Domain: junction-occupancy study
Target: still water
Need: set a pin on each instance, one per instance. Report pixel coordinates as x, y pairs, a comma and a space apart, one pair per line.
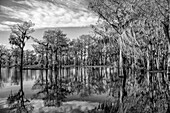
95, 84
82, 81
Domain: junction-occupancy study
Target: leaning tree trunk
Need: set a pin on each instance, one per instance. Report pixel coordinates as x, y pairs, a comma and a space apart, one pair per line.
167, 35
168, 77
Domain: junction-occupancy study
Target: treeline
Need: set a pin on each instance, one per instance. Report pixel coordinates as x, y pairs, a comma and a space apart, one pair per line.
93, 50
56, 48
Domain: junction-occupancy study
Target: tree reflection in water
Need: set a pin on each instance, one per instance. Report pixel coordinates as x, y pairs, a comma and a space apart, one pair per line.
54, 90
17, 102
80, 81
15, 76
84, 82
1, 81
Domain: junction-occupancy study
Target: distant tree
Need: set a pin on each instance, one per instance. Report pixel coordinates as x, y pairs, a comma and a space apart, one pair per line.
57, 42
40, 51
87, 41
2, 53
16, 55
8, 57
20, 33
29, 57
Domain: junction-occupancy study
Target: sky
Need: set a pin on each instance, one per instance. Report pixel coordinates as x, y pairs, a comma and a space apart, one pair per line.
71, 16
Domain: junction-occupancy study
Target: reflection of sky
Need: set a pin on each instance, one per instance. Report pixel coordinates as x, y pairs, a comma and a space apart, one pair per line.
9, 76
86, 78
92, 83
6, 90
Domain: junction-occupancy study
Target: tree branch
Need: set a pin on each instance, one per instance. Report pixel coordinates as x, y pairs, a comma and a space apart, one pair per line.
114, 26
159, 8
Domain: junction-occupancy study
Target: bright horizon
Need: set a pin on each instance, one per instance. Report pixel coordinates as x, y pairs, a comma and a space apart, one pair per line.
73, 32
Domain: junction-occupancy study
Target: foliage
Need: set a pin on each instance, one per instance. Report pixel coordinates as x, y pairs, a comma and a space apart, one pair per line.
20, 34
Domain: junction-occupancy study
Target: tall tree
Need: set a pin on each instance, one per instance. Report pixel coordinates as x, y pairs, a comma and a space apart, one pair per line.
20, 33
120, 15
57, 41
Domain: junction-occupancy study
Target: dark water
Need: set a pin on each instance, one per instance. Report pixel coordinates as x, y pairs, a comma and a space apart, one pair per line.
81, 80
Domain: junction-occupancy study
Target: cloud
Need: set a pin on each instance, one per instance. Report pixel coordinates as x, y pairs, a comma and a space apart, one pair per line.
4, 27
56, 13
9, 23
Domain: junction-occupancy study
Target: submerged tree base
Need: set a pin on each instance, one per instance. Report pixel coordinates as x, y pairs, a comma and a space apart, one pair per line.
17, 103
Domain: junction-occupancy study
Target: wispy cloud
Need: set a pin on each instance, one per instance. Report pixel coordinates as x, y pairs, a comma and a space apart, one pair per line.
49, 13
4, 27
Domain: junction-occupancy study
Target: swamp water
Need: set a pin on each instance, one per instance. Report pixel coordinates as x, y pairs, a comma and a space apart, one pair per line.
80, 88
87, 86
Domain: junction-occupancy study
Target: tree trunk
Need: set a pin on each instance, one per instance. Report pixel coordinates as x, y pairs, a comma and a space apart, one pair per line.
27, 59
157, 66
166, 32
148, 67
0, 69
51, 67
8, 61
75, 61
56, 60
41, 75
167, 35
56, 75
84, 59
46, 66
81, 57
121, 75
106, 58
168, 76
168, 63
21, 68
16, 61
101, 58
